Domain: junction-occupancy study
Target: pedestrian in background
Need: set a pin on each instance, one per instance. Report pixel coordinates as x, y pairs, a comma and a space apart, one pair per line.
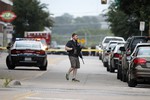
74, 52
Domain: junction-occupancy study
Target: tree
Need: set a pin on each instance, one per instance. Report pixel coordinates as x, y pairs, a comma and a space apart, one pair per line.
31, 16
137, 9
120, 23
125, 15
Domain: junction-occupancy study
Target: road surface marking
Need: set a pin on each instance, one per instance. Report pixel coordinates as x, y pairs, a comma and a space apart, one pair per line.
40, 98
24, 95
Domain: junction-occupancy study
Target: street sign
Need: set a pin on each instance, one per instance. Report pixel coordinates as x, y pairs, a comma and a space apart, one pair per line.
142, 25
9, 29
8, 16
82, 41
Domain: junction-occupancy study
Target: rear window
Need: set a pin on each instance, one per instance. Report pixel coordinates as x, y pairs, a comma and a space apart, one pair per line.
43, 41
139, 41
28, 45
112, 39
144, 51
112, 46
135, 41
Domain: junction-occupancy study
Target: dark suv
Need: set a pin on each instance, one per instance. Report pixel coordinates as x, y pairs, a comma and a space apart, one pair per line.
127, 50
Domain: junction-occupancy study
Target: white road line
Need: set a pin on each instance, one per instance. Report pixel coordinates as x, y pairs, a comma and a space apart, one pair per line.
39, 98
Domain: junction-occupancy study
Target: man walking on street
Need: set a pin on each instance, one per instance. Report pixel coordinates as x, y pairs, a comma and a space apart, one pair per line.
74, 51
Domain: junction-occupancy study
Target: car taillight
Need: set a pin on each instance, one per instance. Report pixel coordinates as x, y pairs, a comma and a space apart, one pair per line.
120, 57
140, 61
15, 51
41, 52
116, 55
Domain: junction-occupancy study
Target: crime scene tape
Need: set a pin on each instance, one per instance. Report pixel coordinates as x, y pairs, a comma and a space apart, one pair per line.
89, 50
2, 48
57, 50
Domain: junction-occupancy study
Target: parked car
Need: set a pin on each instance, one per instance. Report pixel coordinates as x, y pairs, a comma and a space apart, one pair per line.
128, 49
139, 66
27, 53
107, 52
114, 58
105, 41
109, 48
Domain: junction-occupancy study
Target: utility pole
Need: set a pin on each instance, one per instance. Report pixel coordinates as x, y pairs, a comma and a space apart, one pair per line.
149, 28
4, 33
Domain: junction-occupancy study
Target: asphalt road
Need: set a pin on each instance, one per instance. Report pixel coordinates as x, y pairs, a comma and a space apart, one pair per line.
95, 82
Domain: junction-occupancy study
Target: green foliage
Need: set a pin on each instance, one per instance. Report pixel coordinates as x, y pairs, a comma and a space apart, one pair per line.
31, 16
93, 37
138, 9
6, 82
67, 24
87, 27
125, 17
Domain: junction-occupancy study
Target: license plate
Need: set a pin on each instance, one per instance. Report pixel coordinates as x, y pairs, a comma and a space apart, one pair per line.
28, 59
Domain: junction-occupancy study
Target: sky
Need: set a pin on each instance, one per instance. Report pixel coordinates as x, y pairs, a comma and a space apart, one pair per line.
77, 8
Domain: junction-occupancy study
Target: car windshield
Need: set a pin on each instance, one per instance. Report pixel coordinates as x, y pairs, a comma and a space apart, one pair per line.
144, 51
111, 46
34, 45
112, 39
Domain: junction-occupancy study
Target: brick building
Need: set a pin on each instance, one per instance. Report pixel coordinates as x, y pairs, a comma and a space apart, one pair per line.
5, 5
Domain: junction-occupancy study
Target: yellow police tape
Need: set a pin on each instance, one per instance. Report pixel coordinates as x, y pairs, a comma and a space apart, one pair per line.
57, 50
89, 50
2, 48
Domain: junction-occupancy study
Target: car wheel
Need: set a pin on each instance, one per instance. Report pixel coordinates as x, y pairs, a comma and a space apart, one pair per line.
118, 73
44, 67
107, 68
9, 64
100, 57
124, 76
111, 69
131, 82
105, 64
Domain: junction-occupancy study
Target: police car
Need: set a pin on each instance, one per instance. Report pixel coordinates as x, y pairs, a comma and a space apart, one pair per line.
27, 53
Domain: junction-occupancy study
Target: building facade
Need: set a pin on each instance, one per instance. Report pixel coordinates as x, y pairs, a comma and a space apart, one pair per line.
5, 5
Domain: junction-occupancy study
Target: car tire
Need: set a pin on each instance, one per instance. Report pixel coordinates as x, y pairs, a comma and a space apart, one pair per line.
131, 82
9, 64
112, 70
124, 78
105, 64
100, 57
119, 73
107, 68
44, 67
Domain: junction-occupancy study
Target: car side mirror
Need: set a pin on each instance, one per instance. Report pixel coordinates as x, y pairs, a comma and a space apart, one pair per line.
8, 47
100, 46
108, 50
122, 49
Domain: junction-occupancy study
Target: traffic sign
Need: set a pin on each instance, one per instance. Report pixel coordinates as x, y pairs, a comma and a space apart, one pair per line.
142, 25
9, 29
8, 16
